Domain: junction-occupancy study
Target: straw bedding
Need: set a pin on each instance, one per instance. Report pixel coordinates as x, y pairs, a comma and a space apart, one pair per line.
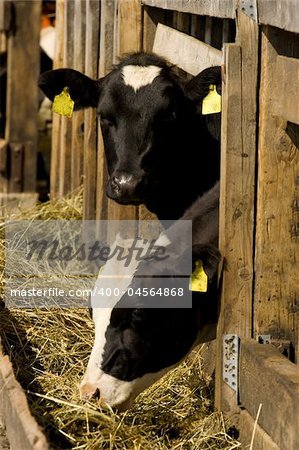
50, 350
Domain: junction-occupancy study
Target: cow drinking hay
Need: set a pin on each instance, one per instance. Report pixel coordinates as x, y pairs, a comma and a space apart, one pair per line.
160, 152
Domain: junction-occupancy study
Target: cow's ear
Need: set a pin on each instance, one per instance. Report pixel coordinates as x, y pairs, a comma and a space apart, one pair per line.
83, 90
210, 257
198, 88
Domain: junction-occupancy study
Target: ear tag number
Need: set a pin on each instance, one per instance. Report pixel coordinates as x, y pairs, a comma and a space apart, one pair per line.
199, 279
63, 104
211, 104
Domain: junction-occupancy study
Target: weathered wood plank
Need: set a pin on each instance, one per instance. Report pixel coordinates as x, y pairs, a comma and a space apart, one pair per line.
238, 154
187, 53
78, 116
56, 125
66, 123
279, 13
285, 104
21, 428
105, 66
269, 378
276, 291
90, 123
151, 18
5, 15
23, 58
216, 8
261, 440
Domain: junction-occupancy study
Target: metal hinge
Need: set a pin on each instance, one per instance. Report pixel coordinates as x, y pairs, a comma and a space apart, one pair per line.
230, 347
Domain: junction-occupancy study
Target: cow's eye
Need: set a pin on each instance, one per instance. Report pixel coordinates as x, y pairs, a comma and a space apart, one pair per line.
108, 121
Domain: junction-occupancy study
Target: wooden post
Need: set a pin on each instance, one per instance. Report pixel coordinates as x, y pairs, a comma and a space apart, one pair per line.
90, 130
22, 103
238, 157
276, 292
77, 147
56, 130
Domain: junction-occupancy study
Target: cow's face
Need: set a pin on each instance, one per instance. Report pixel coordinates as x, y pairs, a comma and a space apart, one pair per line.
146, 115
140, 111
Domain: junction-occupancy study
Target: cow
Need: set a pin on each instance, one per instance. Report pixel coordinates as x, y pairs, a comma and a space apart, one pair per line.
136, 345
160, 150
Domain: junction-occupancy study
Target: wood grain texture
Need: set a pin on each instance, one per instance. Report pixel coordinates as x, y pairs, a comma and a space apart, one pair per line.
56, 124
237, 193
269, 378
90, 118
276, 307
65, 147
21, 428
77, 146
261, 441
216, 8
151, 18
285, 104
22, 104
279, 13
186, 52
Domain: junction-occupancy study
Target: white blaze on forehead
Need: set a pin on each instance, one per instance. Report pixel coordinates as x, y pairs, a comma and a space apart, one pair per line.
138, 76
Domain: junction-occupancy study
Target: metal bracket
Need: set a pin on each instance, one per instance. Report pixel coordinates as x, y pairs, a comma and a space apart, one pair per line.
263, 338
230, 346
249, 7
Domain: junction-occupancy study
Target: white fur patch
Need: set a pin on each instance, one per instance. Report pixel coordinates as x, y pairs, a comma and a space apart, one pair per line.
138, 76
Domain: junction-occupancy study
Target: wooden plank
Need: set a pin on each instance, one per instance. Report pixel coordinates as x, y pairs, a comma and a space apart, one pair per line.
5, 15
105, 66
287, 73
66, 123
90, 131
77, 145
276, 291
198, 27
216, 8
188, 53
129, 26
21, 428
151, 18
56, 124
247, 427
3, 165
23, 58
279, 13
237, 193
269, 378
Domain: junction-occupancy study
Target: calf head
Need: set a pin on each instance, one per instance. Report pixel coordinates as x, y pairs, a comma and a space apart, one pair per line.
149, 123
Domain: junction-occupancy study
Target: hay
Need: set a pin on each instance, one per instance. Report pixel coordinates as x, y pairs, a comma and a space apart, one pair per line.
50, 350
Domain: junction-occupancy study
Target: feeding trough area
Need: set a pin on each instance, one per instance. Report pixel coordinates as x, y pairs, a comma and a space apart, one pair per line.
240, 390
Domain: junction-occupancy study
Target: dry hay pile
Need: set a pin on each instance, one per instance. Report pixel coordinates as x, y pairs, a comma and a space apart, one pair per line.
50, 350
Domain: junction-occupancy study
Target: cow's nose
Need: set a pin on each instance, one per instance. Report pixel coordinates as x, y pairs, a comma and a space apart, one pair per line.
124, 185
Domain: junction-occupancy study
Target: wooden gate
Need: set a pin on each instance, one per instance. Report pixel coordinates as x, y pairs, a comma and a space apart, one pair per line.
259, 176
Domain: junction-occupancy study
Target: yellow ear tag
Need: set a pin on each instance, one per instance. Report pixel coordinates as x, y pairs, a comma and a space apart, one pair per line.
63, 104
198, 279
211, 104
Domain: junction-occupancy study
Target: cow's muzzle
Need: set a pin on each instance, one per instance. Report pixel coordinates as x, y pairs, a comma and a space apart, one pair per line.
125, 188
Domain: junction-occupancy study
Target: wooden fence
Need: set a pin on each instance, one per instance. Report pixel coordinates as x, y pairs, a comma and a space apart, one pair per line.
18, 148
258, 44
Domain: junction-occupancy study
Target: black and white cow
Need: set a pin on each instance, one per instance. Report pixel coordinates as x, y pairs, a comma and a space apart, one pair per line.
136, 346
163, 153
159, 148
